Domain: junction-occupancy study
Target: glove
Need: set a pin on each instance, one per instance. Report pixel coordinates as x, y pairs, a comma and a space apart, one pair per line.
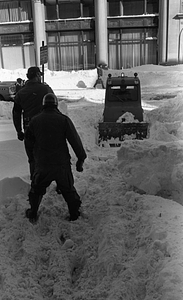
20, 135
79, 166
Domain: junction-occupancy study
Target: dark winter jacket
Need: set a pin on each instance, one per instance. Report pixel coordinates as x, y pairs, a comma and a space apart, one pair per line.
18, 87
28, 101
47, 136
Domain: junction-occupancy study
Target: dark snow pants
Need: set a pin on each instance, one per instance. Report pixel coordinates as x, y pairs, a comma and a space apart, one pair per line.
30, 157
63, 177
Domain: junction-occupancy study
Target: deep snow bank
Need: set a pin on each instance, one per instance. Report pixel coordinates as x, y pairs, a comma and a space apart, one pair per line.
6, 110
10, 187
13, 160
154, 166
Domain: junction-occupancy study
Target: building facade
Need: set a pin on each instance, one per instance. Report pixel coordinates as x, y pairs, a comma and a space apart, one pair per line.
80, 34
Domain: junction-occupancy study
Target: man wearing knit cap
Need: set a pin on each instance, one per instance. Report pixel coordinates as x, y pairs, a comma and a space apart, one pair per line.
48, 134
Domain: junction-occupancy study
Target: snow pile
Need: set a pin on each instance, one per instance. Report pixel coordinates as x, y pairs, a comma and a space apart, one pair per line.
168, 120
13, 160
166, 131
154, 166
169, 111
6, 110
127, 118
10, 187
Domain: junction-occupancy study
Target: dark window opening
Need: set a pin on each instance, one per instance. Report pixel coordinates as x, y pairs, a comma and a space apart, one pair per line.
28, 39
69, 10
114, 8
11, 40
71, 51
62, 9
88, 8
51, 11
17, 39
132, 7
152, 6
123, 93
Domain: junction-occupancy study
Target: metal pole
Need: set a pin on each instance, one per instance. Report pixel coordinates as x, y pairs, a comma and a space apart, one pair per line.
43, 66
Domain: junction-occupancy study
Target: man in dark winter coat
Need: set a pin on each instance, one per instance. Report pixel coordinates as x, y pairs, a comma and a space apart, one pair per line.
28, 103
47, 136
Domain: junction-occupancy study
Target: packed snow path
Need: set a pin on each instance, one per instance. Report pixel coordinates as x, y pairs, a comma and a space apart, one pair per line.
117, 249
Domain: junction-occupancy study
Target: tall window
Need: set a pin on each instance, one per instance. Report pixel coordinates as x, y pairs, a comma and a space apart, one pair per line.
9, 11
132, 7
132, 47
71, 51
181, 6
25, 9
65, 9
53, 52
14, 11
22, 47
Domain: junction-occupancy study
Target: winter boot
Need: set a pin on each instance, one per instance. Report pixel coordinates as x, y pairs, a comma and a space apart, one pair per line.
74, 207
31, 215
34, 200
72, 216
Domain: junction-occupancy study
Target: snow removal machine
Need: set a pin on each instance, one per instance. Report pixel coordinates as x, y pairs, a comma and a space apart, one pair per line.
123, 113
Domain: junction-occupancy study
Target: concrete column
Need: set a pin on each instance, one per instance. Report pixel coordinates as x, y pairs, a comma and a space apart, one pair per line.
121, 8
39, 27
163, 31
101, 35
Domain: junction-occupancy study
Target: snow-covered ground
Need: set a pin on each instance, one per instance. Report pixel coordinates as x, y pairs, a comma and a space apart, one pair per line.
129, 242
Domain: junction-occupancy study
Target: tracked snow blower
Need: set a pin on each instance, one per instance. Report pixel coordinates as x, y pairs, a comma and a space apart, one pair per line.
123, 113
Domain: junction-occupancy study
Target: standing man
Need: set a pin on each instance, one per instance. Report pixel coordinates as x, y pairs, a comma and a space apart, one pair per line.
19, 84
47, 136
99, 75
28, 103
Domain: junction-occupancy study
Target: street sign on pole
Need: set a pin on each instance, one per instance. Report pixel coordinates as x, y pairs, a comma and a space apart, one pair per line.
43, 55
